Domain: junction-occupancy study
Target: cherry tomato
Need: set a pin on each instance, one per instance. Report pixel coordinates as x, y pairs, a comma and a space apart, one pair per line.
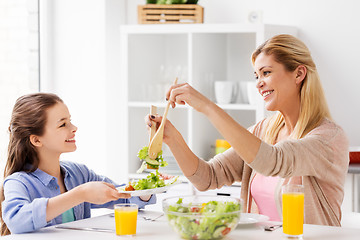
195, 209
129, 188
165, 176
225, 231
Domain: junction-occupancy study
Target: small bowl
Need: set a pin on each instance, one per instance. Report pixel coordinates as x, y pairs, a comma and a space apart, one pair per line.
202, 216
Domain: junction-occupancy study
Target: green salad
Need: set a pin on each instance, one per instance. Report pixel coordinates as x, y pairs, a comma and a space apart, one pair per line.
143, 154
153, 180
211, 220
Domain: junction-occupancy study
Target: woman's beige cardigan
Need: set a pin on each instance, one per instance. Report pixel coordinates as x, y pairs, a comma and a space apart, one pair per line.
320, 160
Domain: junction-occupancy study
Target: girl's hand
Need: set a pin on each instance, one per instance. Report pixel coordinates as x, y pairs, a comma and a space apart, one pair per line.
184, 93
145, 198
100, 192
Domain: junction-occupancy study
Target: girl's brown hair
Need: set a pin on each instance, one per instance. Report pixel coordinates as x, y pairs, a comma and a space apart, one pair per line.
28, 118
291, 52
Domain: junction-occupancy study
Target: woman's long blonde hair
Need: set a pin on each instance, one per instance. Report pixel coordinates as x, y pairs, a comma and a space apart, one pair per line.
291, 52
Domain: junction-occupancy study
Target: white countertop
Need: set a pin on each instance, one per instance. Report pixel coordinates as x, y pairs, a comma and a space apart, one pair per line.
160, 230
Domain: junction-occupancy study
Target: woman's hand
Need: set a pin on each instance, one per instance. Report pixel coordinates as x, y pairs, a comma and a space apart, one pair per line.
186, 159
100, 192
181, 94
184, 93
169, 129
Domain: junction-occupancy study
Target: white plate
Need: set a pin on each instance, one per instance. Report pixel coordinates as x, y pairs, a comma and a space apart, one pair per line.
251, 218
148, 191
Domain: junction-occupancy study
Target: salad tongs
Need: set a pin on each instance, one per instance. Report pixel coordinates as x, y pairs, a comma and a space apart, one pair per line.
156, 142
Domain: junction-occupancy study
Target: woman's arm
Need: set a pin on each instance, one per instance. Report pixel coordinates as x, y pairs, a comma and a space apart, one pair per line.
227, 166
188, 160
323, 153
244, 143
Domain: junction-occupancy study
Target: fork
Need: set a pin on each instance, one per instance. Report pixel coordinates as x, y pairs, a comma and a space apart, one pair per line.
95, 229
272, 227
152, 219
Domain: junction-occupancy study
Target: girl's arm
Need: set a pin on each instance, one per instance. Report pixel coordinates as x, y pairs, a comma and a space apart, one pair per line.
89, 175
27, 208
92, 192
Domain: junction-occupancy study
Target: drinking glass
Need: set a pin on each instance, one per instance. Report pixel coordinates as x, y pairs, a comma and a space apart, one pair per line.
293, 210
126, 218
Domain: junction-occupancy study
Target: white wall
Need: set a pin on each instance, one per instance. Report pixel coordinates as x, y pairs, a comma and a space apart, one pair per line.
19, 54
81, 54
85, 59
77, 55
330, 28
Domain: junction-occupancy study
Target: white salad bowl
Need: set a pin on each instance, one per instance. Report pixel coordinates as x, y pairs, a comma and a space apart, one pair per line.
202, 216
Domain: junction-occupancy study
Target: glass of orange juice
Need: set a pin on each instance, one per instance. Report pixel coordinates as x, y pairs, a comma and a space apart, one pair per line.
125, 218
293, 210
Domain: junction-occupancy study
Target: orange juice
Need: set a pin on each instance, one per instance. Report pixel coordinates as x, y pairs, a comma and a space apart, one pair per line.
293, 213
125, 219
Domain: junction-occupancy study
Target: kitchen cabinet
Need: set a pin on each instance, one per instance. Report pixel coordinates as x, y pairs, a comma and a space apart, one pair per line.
152, 56
351, 202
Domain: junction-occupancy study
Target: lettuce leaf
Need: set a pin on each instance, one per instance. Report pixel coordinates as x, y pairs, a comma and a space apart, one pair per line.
144, 153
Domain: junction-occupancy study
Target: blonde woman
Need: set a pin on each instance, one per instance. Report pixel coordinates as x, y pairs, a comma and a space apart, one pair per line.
299, 144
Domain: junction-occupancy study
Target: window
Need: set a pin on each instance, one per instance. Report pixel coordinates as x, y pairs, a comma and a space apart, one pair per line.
19, 59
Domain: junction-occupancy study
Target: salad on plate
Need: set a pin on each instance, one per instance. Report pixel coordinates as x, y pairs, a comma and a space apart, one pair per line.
155, 182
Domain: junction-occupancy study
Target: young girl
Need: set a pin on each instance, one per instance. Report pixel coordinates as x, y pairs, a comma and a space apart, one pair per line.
38, 189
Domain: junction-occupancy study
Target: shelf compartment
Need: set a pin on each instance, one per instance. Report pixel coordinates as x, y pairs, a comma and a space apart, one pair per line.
227, 59
206, 53
154, 62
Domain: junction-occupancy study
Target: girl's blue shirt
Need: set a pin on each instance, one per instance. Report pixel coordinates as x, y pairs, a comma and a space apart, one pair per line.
27, 194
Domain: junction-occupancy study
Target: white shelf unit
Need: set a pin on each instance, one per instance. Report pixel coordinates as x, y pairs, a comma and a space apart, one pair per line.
201, 54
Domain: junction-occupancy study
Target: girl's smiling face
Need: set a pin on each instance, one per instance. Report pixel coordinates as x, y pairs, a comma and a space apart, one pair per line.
278, 87
59, 134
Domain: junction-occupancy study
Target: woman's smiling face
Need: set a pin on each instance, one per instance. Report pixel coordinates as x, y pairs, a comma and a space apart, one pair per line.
276, 85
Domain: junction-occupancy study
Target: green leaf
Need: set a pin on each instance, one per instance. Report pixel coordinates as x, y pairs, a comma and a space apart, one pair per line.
152, 180
143, 153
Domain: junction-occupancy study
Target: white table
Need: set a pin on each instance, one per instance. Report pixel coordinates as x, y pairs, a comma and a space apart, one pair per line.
160, 230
